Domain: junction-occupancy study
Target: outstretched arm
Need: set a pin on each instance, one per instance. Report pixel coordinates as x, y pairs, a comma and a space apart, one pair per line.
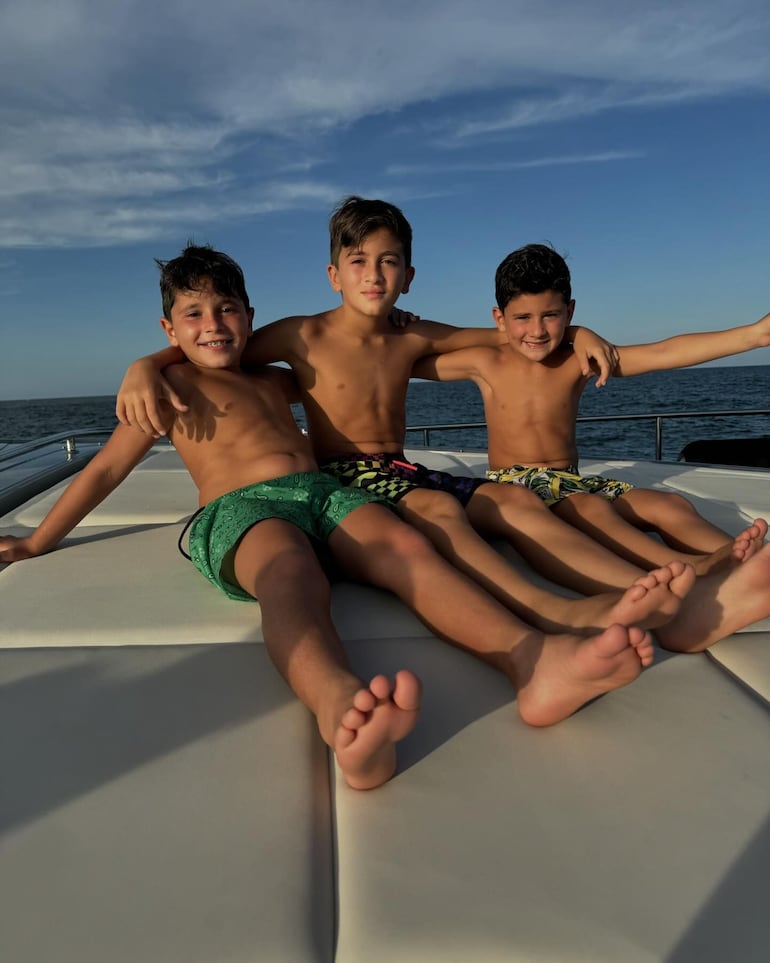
688, 349
102, 474
144, 387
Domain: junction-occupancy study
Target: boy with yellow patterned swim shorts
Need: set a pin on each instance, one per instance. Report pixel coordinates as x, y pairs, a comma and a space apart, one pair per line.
531, 386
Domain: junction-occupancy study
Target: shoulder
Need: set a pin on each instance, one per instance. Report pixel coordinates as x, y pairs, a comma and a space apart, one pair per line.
299, 325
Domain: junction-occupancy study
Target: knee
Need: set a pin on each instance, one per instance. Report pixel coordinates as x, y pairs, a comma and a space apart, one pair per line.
586, 505
671, 504
437, 508
509, 500
658, 505
403, 541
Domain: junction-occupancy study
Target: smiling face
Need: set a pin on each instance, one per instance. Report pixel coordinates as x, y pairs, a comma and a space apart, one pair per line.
535, 323
372, 275
210, 328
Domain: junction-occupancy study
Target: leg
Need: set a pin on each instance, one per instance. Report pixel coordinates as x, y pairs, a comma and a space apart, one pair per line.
554, 674
275, 562
559, 551
441, 518
601, 520
676, 521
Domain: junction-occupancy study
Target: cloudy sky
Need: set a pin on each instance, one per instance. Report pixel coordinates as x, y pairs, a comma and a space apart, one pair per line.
633, 137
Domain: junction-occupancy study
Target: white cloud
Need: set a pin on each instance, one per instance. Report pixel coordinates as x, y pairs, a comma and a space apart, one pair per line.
119, 118
489, 167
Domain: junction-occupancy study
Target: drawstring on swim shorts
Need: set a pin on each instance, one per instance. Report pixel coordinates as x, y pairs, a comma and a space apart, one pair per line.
185, 530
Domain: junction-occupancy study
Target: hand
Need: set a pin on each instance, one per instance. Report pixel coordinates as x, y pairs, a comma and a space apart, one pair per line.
139, 401
13, 549
401, 319
589, 347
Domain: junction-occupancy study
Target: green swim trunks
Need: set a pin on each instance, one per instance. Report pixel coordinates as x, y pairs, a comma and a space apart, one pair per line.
313, 501
555, 484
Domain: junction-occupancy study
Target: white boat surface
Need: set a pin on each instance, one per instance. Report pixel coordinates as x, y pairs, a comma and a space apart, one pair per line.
164, 797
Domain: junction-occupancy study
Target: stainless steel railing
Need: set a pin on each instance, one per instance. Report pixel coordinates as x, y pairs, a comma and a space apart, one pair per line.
28, 468
658, 418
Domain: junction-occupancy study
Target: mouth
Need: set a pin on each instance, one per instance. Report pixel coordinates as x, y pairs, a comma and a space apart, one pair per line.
218, 343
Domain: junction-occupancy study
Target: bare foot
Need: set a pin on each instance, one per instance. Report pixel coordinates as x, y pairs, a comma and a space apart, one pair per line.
651, 600
720, 604
740, 549
750, 540
365, 741
557, 674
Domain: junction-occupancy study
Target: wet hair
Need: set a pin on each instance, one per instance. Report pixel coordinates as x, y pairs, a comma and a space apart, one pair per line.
356, 218
531, 269
193, 268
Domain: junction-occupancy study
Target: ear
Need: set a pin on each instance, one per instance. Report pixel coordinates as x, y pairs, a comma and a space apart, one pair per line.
499, 319
408, 280
334, 277
168, 327
570, 311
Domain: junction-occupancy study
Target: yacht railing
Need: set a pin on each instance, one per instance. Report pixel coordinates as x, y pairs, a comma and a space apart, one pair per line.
658, 418
28, 468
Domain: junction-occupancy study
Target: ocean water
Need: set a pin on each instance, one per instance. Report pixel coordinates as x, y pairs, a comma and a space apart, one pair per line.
688, 390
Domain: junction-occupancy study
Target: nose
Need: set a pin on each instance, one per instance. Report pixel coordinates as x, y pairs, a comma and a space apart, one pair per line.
212, 321
374, 271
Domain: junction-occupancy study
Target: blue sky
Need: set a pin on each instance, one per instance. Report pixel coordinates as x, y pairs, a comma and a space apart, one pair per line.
633, 137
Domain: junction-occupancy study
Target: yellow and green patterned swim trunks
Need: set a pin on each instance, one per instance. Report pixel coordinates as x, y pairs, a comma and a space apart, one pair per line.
555, 484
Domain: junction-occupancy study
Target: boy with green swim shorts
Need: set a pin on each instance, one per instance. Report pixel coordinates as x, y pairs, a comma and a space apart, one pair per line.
265, 506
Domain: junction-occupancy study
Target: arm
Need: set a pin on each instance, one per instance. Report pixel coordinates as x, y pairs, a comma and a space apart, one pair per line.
286, 381
143, 387
440, 338
273, 342
102, 474
687, 349
592, 352
454, 366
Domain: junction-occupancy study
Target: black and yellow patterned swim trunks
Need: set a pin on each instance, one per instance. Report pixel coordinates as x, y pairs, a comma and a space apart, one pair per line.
555, 484
391, 476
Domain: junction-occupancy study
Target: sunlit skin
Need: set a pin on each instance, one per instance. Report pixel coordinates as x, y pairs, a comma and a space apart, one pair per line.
372, 275
535, 323
210, 328
239, 426
353, 369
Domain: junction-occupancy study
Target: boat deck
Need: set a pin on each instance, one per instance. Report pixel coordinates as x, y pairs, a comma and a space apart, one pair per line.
165, 797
